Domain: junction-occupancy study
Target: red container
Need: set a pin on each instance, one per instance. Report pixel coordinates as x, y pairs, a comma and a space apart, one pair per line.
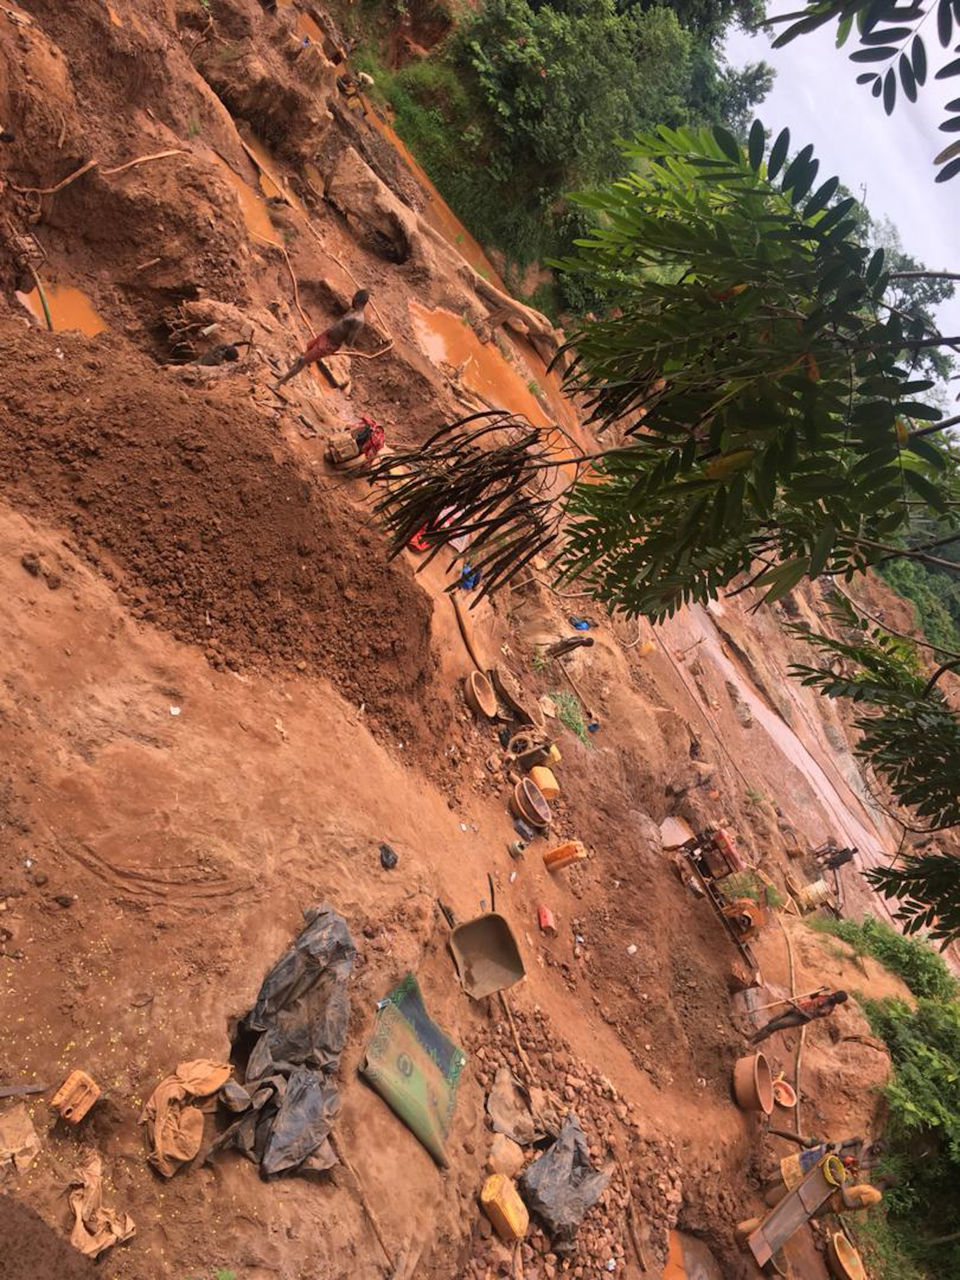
546, 921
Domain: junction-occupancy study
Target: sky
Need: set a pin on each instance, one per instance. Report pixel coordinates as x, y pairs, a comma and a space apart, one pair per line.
816, 96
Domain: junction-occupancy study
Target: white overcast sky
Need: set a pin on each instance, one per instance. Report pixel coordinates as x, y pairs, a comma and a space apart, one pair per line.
816, 96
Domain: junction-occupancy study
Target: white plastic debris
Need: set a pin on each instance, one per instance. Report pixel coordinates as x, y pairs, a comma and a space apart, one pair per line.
632, 949
174, 711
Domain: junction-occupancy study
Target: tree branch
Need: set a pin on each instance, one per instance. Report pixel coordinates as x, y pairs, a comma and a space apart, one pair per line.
947, 666
934, 428
924, 275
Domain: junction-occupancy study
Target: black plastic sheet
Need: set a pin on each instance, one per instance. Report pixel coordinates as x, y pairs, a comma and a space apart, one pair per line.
287, 1050
561, 1185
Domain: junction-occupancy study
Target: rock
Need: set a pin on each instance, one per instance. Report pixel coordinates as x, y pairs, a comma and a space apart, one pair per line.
31, 562
40, 878
339, 369
63, 900
506, 1156
373, 212
53, 580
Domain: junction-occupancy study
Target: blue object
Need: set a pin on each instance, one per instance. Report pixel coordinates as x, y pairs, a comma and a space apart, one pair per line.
593, 726
469, 578
579, 624
521, 828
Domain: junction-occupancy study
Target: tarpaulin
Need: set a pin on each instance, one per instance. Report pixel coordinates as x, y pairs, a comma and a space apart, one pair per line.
287, 1052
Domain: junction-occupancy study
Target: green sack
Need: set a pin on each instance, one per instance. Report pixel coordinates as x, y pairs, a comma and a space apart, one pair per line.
415, 1067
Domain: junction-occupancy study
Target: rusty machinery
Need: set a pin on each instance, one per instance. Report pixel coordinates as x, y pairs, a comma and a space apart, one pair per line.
709, 859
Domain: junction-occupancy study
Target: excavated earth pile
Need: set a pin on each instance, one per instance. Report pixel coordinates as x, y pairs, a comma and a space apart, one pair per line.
219, 698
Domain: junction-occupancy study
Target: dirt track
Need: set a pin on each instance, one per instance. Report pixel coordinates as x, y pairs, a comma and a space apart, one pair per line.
217, 698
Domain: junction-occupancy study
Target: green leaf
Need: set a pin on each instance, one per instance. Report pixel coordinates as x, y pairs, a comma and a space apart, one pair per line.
778, 154
918, 59
889, 91
756, 145
836, 214
727, 142
915, 409
873, 55
944, 22
822, 548
784, 578
907, 78
872, 274
929, 452
949, 171
797, 167
949, 71
926, 490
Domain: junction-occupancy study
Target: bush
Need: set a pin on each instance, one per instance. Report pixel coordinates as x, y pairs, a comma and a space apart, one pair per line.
924, 1130
912, 959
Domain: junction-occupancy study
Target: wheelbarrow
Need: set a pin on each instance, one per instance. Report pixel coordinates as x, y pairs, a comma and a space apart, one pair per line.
485, 953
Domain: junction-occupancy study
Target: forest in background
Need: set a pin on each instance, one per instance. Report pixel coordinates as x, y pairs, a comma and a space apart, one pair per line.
521, 102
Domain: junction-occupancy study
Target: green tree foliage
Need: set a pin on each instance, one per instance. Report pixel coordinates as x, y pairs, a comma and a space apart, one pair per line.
708, 19
526, 101
755, 339
763, 385
722, 94
926, 888
924, 1131
911, 959
892, 56
909, 734
935, 595
557, 84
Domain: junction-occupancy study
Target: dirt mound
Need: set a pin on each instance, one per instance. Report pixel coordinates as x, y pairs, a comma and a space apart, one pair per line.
191, 506
30, 1249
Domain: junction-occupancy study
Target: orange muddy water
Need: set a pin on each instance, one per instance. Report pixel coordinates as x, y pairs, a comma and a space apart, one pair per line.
445, 338
252, 206
70, 308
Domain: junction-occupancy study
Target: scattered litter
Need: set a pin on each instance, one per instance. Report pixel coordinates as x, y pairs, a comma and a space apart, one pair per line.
175, 1129
544, 778
19, 1144
579, 624
547, 923
593, 726
388, 857
564, 855
95, 1229
415, 1067
21, 1090
75, 1096
469, 578
503, 1206
291, 1041
513, 876
561, 1185
463, 826
547, 705
517, 848
174, 711
632, 949
610, 1264
524, 1115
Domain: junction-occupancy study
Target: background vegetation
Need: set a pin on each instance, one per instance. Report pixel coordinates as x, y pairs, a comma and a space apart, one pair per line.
524, 101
